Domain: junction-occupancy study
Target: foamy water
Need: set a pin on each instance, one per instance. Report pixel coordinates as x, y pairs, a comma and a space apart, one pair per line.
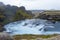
33, 26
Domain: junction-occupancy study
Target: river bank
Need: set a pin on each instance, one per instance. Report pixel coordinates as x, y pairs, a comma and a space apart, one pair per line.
36, 37
6, 36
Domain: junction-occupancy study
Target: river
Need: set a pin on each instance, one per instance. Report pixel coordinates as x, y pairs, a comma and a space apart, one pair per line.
33, 26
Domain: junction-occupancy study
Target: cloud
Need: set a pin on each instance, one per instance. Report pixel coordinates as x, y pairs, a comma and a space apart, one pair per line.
29, 0
35, 4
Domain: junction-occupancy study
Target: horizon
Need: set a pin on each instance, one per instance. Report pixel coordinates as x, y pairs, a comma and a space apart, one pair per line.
34, 4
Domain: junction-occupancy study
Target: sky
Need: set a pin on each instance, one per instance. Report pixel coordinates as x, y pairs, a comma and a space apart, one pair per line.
35, 4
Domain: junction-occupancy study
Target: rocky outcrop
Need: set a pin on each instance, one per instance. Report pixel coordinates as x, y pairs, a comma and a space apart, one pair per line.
5, 36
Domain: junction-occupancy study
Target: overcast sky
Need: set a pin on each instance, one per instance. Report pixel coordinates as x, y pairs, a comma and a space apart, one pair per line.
35, 4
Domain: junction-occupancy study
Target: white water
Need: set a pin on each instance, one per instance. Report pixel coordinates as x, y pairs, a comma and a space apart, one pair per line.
32, 26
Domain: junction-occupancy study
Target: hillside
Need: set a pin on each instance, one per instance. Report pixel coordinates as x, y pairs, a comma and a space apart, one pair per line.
10, 13
49, 15
52, 12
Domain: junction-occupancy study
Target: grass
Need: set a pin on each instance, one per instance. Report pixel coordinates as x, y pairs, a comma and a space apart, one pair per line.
30, 36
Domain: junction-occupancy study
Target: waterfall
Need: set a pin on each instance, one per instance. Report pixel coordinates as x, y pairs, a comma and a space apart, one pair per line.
29, 26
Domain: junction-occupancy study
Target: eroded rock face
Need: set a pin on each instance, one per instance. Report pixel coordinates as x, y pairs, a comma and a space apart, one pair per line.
5, 36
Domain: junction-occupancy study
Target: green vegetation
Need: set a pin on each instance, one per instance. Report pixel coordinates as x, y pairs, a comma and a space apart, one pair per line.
10, 13
26, 36
20, 15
